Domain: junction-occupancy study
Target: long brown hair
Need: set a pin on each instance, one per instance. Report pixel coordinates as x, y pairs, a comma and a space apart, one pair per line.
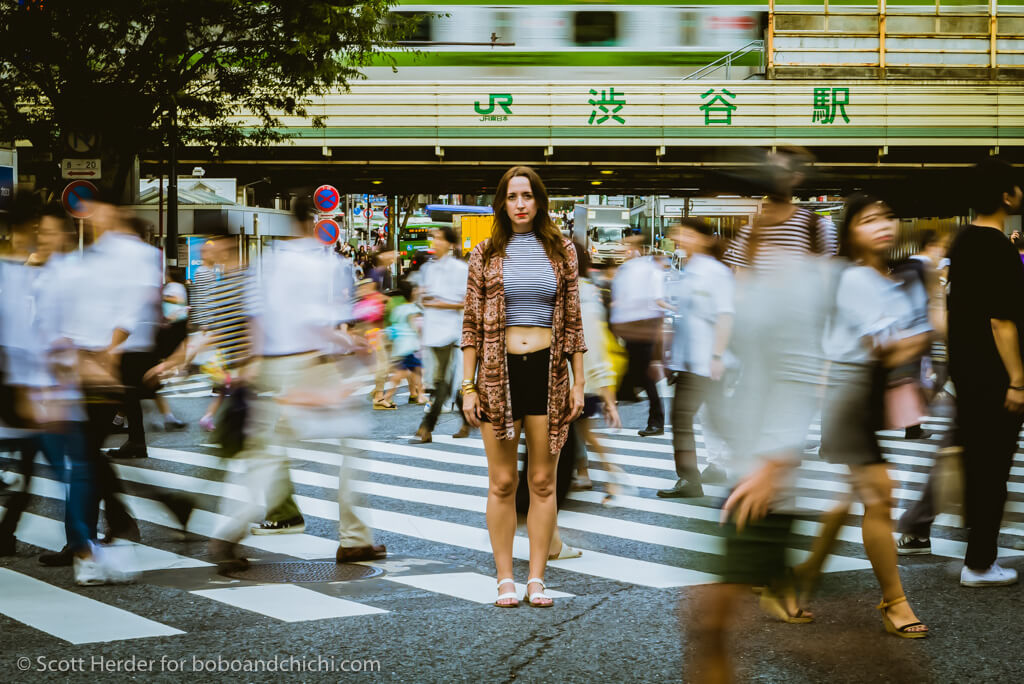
501, 231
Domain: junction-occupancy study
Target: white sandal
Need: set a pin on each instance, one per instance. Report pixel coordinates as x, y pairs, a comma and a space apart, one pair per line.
507, 595
565, 553
531, 599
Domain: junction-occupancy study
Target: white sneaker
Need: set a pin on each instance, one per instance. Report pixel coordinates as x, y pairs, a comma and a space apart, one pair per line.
995, 576
100, 569
88, 572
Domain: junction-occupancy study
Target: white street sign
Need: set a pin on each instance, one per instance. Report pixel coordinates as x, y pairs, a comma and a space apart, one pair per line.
80, 168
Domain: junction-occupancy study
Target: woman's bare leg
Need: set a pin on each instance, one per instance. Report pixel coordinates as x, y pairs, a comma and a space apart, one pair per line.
502, 476
540, 521
873, 485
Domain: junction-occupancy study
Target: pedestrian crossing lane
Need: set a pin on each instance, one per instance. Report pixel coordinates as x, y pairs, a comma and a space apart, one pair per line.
394, 471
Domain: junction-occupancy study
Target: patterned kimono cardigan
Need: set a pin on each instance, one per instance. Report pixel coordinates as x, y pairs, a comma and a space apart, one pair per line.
483, 327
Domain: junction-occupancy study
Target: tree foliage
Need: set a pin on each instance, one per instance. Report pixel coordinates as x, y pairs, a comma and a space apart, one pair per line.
116, 67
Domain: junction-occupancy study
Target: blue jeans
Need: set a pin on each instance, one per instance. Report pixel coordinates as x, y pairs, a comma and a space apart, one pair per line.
54, 445
79, 524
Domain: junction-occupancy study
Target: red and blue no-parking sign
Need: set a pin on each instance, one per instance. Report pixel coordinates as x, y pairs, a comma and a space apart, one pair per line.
327, 231
326, 199
75, 196
386, 212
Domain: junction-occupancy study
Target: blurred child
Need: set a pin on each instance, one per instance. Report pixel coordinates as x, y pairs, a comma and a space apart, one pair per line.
404, 332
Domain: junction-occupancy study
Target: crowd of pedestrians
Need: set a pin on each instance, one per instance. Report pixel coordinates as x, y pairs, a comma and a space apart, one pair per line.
754, 338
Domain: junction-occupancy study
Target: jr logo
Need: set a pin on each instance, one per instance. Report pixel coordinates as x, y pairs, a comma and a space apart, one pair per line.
502, 100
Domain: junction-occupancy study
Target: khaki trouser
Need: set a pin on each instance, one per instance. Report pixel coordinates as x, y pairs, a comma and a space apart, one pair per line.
266, 462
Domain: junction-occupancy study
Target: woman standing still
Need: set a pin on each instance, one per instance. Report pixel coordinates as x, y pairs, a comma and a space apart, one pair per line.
522, 324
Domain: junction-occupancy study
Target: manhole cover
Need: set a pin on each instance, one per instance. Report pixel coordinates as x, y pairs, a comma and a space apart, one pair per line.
306, 571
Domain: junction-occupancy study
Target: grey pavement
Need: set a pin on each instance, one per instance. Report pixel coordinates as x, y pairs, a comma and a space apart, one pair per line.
424, 616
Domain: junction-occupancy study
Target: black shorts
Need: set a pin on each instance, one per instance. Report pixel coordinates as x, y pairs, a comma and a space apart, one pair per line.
528, 383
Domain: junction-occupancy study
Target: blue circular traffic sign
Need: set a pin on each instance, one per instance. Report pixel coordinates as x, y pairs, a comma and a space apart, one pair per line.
357, 211
76, 195
327, 231
386, 212
326, 199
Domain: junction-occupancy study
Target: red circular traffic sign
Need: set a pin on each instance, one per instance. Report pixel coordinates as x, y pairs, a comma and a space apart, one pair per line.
326, 199
76, 196
327, 231
369, 214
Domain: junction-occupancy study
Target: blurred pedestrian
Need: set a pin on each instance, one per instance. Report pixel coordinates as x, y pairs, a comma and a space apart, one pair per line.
522, 323
138, 352
637, 316
297, 319
443, 287
106, 297
880, 322
599, 387
702, 303
404, 332
778, 324
780, 228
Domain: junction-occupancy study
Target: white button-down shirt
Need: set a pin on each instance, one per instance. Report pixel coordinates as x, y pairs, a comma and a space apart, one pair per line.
445, 280
638, 285
302, 295
115, 285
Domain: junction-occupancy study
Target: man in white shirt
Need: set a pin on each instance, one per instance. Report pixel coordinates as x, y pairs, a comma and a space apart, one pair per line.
103, 302
144, 270
298, 309
444, 295
637, 316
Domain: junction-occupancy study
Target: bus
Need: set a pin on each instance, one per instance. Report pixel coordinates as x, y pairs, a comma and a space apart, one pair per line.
416, 236
445, 212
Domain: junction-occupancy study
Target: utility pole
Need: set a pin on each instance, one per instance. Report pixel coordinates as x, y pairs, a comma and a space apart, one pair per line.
171, 244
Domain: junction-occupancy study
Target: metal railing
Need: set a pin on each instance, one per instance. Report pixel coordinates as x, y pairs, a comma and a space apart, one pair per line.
945, 37
726, 61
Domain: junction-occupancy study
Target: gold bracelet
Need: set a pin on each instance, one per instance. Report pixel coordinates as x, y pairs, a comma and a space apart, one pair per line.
468, 390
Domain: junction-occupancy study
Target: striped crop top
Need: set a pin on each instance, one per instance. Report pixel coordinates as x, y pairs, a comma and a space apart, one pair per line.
530, 284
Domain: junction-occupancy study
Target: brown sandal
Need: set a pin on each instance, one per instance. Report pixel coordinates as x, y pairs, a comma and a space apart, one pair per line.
900, 631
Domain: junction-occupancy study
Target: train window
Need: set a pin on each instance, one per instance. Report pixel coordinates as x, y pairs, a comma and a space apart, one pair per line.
595, 28
422, 29
690, 27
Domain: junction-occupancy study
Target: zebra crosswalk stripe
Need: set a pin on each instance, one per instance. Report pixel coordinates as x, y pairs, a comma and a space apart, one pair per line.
69, 616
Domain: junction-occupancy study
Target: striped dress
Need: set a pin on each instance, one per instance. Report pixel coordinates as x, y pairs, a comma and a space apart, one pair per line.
766, 248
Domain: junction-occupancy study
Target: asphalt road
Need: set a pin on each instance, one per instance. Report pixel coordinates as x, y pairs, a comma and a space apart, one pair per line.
426, 616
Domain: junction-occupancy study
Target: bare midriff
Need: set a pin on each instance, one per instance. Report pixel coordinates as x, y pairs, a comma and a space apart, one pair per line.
524, 339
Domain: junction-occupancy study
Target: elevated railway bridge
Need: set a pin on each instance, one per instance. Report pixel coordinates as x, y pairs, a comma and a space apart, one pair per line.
891, 93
